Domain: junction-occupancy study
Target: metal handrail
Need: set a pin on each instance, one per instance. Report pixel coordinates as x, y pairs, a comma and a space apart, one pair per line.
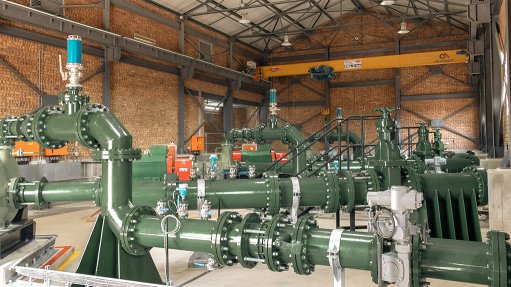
307, 140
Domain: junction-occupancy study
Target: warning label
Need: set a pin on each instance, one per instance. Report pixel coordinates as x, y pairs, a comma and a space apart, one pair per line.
352, 64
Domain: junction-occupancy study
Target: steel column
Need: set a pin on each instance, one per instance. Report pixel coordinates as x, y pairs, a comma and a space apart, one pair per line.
228, 108
181, 95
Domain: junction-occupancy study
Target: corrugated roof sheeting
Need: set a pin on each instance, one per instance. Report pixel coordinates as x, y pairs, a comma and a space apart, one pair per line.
270, 20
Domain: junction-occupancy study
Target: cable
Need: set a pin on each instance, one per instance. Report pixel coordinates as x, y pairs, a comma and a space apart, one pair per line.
164, 225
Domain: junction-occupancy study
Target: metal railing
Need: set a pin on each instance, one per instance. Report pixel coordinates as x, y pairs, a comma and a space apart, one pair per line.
319, 136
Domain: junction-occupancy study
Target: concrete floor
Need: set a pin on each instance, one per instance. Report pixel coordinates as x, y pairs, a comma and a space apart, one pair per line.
72, 224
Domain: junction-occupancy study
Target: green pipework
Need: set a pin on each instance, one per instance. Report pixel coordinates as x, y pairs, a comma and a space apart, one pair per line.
438, 146
458, 161
350, 137
277, 242
93, 126
423, 147
387, 158
41, 192
152, 165
485, 263
455, 162
302, 246
270, 192
287, 134
72, 100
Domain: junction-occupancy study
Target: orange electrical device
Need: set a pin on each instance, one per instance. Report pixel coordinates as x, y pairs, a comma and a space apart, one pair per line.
28, 149
171, 156
197, 143
182, 168
236, 155
249, 147
279, 155
55, 152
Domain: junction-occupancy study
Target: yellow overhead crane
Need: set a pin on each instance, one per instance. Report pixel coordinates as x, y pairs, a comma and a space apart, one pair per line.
369, 63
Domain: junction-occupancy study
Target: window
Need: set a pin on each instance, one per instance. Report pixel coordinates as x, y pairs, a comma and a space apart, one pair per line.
205, 51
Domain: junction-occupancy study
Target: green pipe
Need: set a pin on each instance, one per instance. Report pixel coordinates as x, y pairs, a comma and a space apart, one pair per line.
60, 191
281, 245
95, 128
246, 239
287, 134
467, 261
350, 137
61, 127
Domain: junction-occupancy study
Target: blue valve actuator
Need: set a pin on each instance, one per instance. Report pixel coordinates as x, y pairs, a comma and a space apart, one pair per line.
74, 49
273, 96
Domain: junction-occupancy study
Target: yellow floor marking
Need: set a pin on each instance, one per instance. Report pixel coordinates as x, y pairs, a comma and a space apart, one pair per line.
70, 259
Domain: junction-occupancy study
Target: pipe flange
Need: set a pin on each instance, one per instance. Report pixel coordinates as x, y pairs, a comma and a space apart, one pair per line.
4, 131
243, 248
273, 193
35, 127
220, 238
349, 186
498, 254
121, 154
481, 178
38, 195
416, 163
300, 237
128, 241
332, 192
14, 189
373, 181
285, 139
411, 178
271, 251
82, 117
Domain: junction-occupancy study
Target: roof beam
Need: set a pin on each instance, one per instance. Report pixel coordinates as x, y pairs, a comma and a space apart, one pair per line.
315, 3
32, 16
271, 18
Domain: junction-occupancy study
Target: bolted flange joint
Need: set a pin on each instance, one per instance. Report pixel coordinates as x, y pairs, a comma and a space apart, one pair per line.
129, 224
481, 177
332, 192
82, 131
17, 187
220, 239
300, 237
273, 192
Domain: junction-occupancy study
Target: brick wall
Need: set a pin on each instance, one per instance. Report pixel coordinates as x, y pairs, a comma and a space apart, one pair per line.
145, 100
362, 100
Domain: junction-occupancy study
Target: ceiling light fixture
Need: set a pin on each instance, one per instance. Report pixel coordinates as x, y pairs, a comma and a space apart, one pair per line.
244, 14
244, 19
404, 29
286, 42
388, 2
